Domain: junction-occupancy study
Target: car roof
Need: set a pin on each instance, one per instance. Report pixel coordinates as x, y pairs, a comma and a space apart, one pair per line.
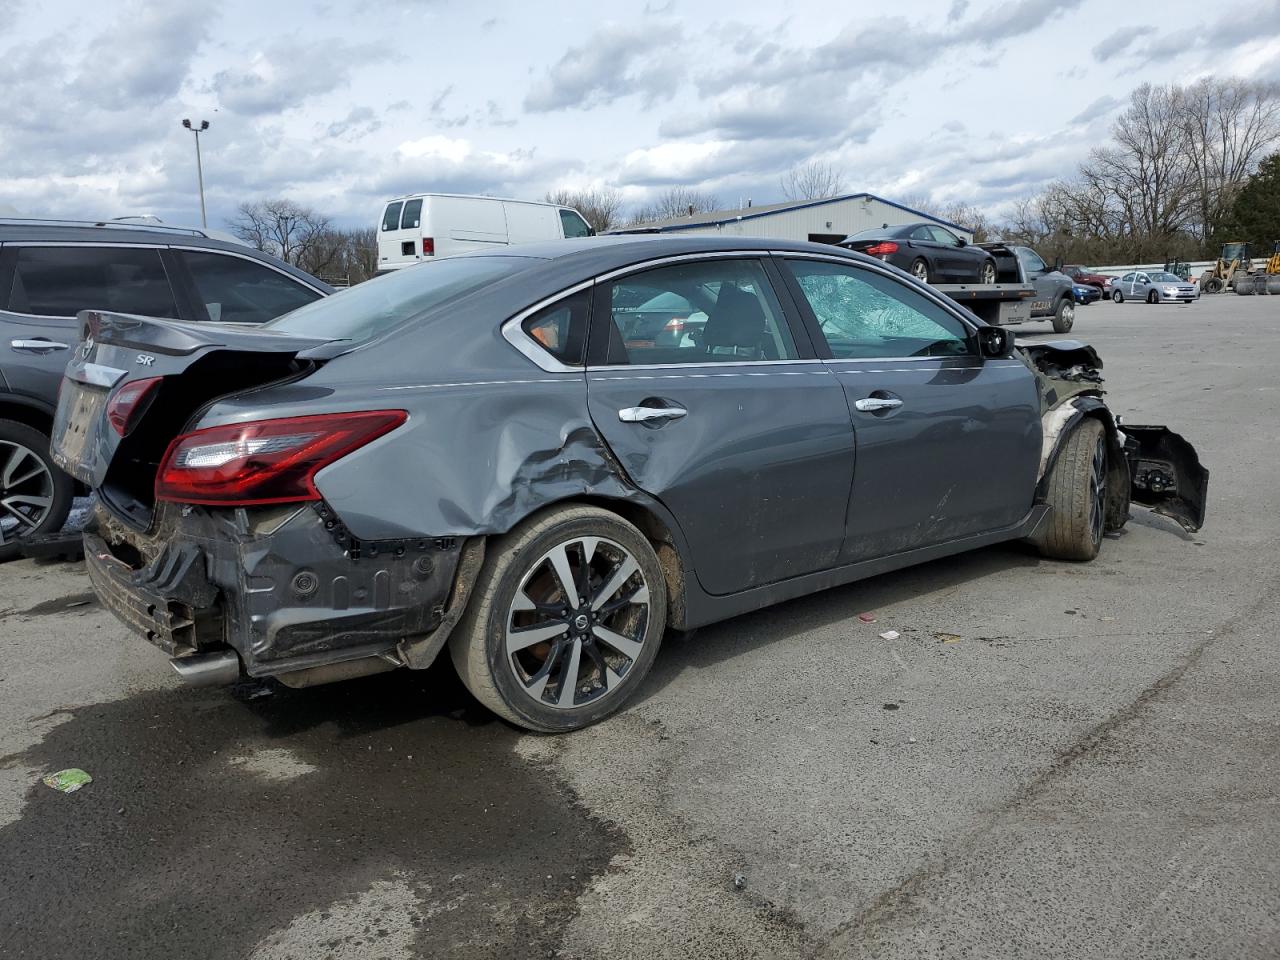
38, 231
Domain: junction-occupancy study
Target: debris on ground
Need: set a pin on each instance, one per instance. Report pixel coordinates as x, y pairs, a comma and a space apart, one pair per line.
739, 880
947, 637
891, 706
890, 635
68, 781
867, 617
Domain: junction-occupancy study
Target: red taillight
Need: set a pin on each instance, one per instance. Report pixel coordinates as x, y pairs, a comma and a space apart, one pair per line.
676, 324
428, 246
265, 461
129, 403
882, 249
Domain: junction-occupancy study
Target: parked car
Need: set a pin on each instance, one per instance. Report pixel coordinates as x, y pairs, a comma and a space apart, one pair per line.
1085, 275
426, 225
51, 270
927, 251
416, 462
1086, 293
1154, 286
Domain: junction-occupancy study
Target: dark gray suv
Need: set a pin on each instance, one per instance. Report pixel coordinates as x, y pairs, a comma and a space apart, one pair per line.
49, 271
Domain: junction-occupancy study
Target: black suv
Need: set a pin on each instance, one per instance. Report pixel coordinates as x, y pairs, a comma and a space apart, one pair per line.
49, 271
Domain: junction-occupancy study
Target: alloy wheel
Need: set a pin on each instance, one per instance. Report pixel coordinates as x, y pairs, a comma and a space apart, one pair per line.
26, 491
1098, 490
920, 270
988, 272
577, 623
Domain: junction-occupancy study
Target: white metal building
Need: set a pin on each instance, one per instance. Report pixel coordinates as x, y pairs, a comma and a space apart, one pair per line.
822, 221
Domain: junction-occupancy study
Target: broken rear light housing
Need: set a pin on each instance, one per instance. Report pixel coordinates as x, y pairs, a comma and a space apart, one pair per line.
126, 406
265, 461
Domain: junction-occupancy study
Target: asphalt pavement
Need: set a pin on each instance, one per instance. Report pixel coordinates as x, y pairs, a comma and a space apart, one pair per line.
1052, 760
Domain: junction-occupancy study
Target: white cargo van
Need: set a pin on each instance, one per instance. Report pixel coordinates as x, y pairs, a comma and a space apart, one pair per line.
426, 225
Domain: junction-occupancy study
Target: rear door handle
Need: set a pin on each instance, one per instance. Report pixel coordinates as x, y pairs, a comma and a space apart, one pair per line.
647, 414
38, 346
872, 404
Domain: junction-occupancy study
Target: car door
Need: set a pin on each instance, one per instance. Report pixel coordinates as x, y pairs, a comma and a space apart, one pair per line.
736, 428
923, 241
947, 443
44, 285
961, 264
1141, 286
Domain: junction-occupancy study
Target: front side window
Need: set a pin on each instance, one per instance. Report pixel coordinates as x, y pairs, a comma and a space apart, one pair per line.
945, 236
412, 215
863, 314
573, 224
235, 290
1127, 278
699, 312
62, 281
561, 329
391, 219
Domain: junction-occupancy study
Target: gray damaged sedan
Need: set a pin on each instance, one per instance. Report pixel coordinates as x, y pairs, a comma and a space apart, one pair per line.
490, 453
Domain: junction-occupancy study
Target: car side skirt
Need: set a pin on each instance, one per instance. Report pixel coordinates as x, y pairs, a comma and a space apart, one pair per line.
702, 608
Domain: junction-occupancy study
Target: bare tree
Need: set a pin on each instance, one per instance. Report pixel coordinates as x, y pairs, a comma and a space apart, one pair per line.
1228, 126
294, 233
962, 214
600, 208
675, 202
814, 180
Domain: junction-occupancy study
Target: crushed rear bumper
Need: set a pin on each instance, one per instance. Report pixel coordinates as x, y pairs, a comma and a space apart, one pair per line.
287, 589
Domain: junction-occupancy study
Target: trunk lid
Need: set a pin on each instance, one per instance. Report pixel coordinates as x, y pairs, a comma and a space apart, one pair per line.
196, 363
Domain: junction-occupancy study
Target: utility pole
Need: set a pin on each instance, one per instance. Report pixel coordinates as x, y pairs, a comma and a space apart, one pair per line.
204, 125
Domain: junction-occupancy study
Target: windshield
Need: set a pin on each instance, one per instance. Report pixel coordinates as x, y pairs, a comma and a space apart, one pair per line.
1165, 278
376, 306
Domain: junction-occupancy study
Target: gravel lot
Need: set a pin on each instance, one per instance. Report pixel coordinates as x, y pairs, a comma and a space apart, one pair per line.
1092, 770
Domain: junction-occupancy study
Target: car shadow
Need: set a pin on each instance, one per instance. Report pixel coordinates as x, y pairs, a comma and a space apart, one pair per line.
838, 605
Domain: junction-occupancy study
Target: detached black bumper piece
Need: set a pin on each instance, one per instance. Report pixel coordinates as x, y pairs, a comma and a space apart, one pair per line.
1167, 474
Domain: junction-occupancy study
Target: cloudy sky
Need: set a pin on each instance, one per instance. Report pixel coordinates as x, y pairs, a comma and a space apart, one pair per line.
341, 105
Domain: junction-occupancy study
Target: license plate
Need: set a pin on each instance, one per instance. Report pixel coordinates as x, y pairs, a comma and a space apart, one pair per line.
75, 428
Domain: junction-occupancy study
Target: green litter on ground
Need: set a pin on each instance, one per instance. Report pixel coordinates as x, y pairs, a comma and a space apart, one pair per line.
68, 781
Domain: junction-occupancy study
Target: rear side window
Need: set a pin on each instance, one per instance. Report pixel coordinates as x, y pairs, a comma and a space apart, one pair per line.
711, 311
561, 329
866, 315
236, 290
377, 305
573, 224
412, 215
62, 281
391, 219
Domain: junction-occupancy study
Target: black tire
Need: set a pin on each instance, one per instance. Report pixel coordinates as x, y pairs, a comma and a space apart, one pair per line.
1077, 496
921, 270
1064, 317
987, 273
1153, 297
17, 440
1213, 285
1117, 296
526, 686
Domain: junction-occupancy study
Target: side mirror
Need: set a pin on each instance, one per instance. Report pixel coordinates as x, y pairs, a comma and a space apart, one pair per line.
1057, 264
961, 241
995, 343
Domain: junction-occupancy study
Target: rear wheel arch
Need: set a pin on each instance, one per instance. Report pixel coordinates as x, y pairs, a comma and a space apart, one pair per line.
33, 415
659, 528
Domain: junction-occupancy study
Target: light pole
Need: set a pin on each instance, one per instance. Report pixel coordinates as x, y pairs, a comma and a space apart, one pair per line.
204, 125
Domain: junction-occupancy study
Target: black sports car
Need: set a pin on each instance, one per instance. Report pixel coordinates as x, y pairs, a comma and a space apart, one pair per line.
931, 253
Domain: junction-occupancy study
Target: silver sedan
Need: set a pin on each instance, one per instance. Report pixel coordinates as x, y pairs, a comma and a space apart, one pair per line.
1153, 286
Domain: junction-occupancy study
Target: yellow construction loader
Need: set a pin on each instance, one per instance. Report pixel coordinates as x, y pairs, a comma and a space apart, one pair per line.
1233, 263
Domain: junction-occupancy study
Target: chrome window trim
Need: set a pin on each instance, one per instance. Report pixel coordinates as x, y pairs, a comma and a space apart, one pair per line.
244, 256
680, 258
702, 363
513, 331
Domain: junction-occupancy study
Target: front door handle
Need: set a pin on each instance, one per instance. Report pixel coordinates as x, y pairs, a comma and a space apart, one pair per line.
872, 404
648, 414
38, 346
